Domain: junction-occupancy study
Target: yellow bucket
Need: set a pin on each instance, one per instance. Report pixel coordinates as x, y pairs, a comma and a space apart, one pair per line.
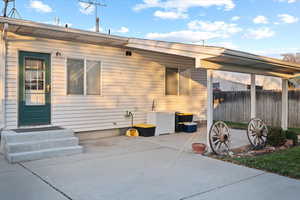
132, 132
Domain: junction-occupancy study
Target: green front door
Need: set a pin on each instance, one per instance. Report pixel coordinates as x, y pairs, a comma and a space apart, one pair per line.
34, 89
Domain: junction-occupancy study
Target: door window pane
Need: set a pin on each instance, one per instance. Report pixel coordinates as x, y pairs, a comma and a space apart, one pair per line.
93, 75
34, 82
184, 81
171, 81
75, 74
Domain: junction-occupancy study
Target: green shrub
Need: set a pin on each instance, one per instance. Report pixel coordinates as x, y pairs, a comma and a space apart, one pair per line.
276, 137
290, 135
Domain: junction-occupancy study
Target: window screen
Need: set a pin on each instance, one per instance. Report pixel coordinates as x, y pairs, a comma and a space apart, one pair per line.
93, 75
171, 81
184, 82
75, 76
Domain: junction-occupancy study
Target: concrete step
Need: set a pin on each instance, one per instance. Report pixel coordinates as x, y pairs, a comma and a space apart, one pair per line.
13, 137
41, 145
46, 153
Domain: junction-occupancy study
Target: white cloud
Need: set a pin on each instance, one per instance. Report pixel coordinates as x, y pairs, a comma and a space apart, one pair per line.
228, 45
260, 33
39, 6
86, 8
184, 5
224, 29
260, 20
177, 9
235, 18
288, 1
289, 19
123, 29
197, 31
170, 15
187, 36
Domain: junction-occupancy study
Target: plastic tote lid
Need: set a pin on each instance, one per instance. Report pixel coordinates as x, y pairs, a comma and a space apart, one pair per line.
190, 123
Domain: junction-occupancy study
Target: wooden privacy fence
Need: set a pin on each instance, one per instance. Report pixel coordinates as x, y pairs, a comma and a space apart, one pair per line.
235, 106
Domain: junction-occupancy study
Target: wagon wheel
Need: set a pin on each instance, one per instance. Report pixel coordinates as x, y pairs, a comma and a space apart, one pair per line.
257, 133
219, 138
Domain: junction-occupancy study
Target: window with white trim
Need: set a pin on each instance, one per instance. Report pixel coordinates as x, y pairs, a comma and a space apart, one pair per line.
83, 77
177, 81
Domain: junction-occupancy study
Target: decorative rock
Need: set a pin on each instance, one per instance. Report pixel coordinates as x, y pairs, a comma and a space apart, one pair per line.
282, 147
270, 149
289, 143
263, 151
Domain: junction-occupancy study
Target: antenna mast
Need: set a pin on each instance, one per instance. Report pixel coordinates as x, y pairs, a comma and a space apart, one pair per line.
96, 4
13, 13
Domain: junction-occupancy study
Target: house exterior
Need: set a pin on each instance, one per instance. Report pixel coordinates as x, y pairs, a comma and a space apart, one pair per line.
87, 87
86, 81
221, 84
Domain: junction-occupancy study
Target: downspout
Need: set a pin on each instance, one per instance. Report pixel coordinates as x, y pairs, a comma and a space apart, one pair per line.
3, 72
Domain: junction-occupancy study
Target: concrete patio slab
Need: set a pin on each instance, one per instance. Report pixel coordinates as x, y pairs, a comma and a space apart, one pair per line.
6, 167
142, 168
265, 186
20, 184
153, 174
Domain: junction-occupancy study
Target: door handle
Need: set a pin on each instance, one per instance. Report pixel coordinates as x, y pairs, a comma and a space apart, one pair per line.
48, 88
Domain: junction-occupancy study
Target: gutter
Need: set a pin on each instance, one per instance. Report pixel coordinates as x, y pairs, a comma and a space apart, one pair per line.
3, 72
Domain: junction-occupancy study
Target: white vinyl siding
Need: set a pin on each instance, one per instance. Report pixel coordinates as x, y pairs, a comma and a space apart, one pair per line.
127, 83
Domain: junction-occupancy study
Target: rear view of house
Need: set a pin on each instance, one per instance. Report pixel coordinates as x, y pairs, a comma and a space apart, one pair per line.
60, 81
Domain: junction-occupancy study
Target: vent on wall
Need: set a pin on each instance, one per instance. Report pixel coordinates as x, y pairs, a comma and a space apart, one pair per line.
128, 53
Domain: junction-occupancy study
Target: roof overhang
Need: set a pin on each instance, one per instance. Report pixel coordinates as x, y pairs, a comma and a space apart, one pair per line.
29, 28
217, 58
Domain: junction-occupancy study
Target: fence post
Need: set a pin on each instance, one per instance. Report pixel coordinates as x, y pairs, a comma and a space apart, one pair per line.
253, 96
285, 105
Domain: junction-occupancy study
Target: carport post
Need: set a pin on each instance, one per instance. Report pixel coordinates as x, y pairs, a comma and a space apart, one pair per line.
285, 105
210, 103
253, 96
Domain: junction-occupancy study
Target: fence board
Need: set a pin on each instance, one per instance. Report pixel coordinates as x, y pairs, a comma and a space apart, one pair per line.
235, 106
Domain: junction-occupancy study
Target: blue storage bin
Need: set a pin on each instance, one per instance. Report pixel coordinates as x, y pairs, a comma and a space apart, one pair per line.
190, 127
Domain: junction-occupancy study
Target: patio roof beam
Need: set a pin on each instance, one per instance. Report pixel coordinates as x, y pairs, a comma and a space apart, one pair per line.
240, 68
210, 104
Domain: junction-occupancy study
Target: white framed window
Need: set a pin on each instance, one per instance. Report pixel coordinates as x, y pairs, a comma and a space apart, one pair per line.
177, 81
83, 77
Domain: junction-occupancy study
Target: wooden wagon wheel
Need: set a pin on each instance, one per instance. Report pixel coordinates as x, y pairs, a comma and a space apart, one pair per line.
219, 138
257, 133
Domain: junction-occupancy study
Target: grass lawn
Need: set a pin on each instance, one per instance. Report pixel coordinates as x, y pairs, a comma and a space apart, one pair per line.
285, 162
243, 126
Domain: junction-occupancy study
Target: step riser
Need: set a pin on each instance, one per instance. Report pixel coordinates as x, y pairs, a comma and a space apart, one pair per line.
37, 136
28, 156
36, 146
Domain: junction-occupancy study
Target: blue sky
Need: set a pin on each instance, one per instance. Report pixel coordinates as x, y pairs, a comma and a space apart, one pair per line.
268, 27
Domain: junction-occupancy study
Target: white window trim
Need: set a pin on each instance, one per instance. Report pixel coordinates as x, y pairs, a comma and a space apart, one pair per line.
178, 85
84, 76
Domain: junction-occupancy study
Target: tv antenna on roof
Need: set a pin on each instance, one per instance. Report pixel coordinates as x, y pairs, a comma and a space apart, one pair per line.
95, 4
13, 13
